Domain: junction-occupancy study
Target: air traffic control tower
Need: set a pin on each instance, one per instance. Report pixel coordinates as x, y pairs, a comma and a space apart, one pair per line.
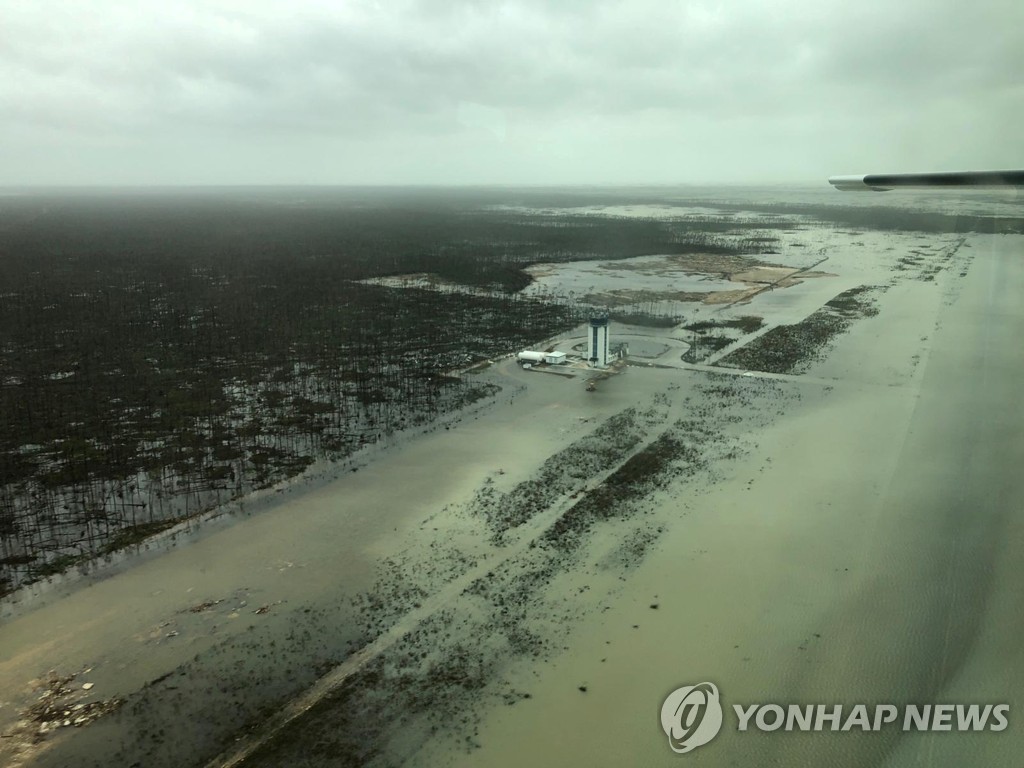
597, 342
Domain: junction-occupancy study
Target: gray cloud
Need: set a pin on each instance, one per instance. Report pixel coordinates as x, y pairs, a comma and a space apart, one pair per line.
448, 92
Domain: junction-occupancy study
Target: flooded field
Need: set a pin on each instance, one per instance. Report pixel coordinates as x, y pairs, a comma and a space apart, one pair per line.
644, 274
682, 211
792, 515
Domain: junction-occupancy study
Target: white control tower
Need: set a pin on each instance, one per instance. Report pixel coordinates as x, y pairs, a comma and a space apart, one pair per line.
597, 342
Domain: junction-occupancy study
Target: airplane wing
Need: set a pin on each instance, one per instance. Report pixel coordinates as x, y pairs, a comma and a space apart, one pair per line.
883, 182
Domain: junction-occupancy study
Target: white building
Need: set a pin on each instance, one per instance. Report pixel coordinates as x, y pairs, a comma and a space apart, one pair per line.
597, 342
555, 358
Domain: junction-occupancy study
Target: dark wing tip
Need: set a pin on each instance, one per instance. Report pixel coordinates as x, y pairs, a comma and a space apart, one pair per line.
886, 181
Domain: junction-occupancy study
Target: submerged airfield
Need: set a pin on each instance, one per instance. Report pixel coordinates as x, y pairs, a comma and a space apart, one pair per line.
829, 514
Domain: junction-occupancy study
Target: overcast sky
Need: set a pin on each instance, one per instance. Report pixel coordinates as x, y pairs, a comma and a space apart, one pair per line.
448, 92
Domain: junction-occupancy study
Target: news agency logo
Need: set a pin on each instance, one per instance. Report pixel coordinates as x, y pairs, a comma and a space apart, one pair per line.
692, 715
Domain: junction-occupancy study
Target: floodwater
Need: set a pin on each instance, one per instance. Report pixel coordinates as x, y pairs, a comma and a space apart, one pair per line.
868, 550
305, 560
655, 274
853, 535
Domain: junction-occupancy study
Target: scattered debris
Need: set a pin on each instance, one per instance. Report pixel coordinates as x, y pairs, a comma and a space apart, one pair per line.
59, 706
204, 606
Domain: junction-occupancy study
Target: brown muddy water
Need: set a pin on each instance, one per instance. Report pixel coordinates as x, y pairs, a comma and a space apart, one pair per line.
527, 586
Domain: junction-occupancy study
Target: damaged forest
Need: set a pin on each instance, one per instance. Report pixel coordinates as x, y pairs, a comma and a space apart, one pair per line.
165, 352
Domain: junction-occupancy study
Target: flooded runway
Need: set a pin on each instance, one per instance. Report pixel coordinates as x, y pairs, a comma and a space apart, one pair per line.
850, 534
873, 556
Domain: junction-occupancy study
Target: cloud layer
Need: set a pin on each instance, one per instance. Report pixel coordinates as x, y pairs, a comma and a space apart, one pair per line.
520, 92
